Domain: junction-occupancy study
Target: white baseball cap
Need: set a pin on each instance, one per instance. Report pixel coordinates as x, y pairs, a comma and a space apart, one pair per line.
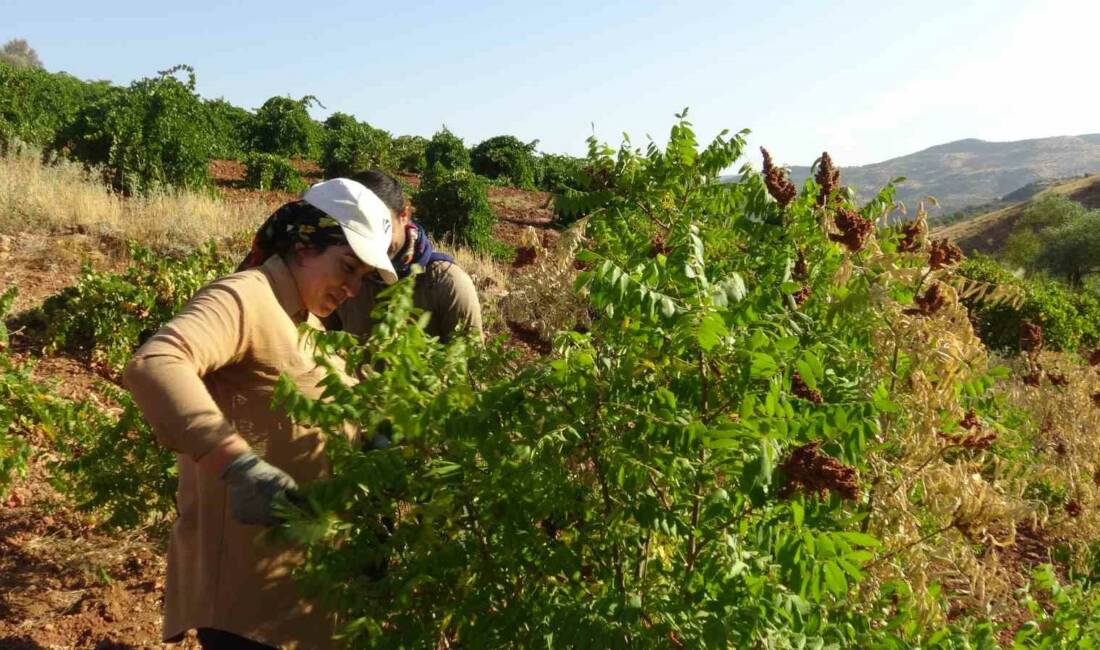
365, 219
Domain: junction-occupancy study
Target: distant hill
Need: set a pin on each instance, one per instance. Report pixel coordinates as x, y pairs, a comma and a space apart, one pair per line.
973, 172
987, 232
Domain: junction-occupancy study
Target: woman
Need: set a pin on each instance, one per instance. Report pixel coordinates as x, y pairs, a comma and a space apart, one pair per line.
205, 383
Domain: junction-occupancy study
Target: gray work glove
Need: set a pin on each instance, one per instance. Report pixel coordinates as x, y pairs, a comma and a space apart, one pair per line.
254, 485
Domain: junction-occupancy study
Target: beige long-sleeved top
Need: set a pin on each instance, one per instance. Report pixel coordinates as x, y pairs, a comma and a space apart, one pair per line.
208, 373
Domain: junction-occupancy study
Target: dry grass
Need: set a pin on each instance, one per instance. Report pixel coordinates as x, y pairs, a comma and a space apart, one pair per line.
64, 197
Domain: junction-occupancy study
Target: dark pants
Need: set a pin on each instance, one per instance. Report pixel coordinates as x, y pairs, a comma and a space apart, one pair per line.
218, 640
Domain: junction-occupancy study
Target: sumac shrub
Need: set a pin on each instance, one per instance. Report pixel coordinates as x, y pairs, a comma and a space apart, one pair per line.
265, 171
1070, 318
446, 150
231, 128
283, 127
554, 172
627, 489
152, 135
105, 316
408, 153
455, 204
505, 158
110, 463
351, 146
35, 105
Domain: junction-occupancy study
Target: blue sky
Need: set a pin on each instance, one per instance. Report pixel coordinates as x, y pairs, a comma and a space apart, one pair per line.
867, 80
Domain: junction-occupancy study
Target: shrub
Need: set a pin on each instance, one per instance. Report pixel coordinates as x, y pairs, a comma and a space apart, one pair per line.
231, 128
14, 383
455, 204
554, 173
1070, 318
710, 465
110, 463
152, 135
505, 158
283, 127
446, 150
265, 171
104, 317
36, 106
351, 146
409, 153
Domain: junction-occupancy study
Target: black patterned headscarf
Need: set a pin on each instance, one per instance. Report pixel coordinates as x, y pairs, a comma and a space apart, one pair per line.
296, 222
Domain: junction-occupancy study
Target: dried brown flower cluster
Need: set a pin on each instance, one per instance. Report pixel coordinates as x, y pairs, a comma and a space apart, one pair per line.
1094, 358
911, 235
1096, 400
977, 437
525, 256
658, 247
828, 179
800, 389
1034, 378
1074, 509
930, 302
815, 473
1031, 336
853, 229
581, 265
1058, 379
802, 270
970, 420
944, 254
802, 295
775, 178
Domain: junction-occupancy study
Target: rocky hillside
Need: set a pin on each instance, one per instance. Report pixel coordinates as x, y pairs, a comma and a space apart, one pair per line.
972, 172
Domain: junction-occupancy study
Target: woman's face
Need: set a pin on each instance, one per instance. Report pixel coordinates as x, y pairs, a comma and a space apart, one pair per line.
327, 278
398, 240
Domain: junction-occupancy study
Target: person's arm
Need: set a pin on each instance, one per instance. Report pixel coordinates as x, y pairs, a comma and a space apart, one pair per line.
165, 378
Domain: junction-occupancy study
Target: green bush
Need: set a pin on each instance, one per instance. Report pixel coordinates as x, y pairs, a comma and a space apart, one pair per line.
1070, 318
149, 136
455, 204
446, 150
505, 158
409, 153
105, 316
231, 129
265, 171
36, 106
14, 383
351, 146
627, 490
283, 127
556, 172
106, 462
110, 464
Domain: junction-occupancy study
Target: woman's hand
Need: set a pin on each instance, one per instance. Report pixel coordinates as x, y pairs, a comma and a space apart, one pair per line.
254, 485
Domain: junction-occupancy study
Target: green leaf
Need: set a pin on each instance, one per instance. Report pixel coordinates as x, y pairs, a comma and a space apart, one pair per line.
711, 331
730, 290
763, 365
834, 579
798, 513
